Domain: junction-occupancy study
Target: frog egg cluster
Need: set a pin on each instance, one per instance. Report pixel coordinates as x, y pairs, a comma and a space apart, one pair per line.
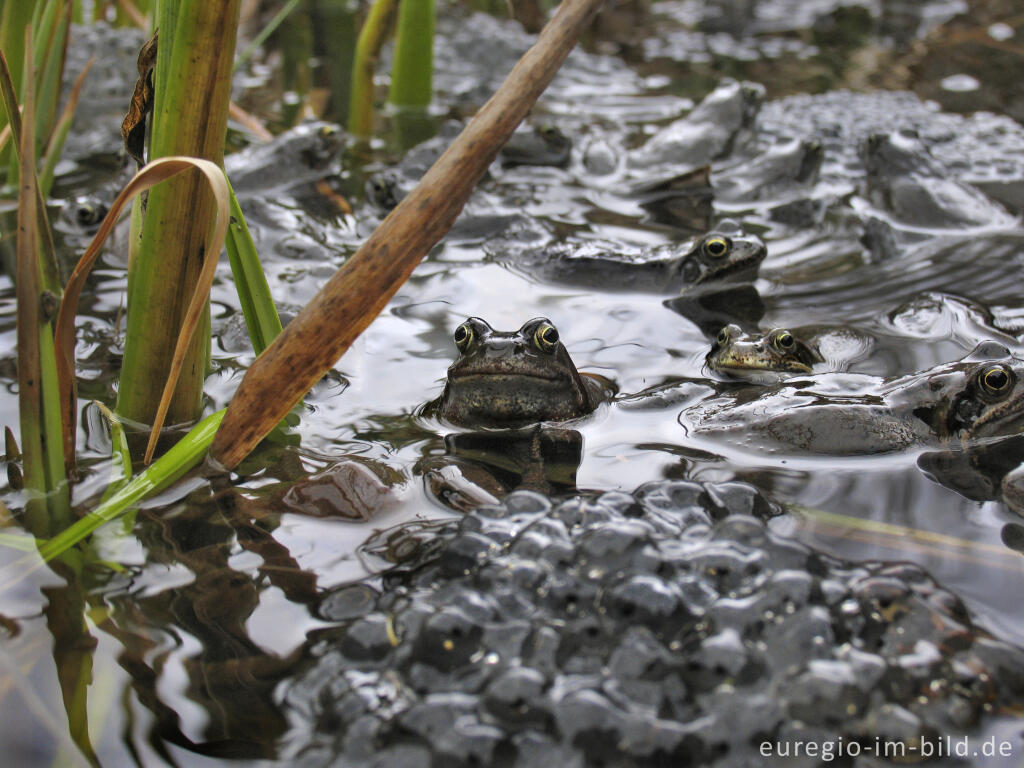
669, 626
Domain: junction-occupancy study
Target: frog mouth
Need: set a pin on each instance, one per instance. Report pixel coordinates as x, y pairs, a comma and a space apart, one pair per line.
994, 421
471, 377
736, 269
739, 364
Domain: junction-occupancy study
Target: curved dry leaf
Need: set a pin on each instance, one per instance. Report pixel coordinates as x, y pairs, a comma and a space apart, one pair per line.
149, 176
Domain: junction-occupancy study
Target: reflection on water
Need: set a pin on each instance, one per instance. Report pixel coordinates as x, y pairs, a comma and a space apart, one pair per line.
232, 589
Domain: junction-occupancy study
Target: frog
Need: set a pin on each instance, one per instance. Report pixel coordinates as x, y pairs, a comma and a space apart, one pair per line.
761, 357
783, 171
515, 379
726, 254
978, 397
709, 132
302, 155
541, 145
913, 188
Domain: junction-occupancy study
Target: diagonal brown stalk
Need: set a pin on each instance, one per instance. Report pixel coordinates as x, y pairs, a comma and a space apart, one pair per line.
354, 296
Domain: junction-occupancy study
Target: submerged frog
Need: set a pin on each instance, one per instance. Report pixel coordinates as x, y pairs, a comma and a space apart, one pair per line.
914, 189
725, 254
783, 171
512, 379
709, 132
301, 155
980, 396
761, 357
544, 145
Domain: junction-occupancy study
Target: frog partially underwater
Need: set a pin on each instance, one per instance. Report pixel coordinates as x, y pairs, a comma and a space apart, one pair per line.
761, 357
508, 387
725, 254
912, 188
514, 379
709, 132
980, 396
776, 354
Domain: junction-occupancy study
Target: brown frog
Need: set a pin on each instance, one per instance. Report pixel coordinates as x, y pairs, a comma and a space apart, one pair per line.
512, 379
761, 357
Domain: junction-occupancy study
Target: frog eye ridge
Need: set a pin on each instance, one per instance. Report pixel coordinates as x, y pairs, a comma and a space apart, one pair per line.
716, 246
996, 379
546, 337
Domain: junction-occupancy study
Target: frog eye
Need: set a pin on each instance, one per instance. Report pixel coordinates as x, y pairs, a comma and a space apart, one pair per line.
545, 337
723, 337
463, 336
716, 246
783, 341
996, 379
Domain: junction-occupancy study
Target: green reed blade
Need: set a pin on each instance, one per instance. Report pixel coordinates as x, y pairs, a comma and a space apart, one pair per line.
119, 451
60, 132
266, 32
14, 17
50, 71
51, 279
258, 307
413, 70
371, 39
185, 454
194, 56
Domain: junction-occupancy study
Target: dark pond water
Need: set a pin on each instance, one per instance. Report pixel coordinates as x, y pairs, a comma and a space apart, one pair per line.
248, 618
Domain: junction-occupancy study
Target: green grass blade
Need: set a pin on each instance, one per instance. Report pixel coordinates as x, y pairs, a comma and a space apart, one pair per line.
19, 541
28, 291
266, 32
50, 71
119, 452
185, 454
51, 280
58, 500
60, 132
253, 292
14, 17
371, 39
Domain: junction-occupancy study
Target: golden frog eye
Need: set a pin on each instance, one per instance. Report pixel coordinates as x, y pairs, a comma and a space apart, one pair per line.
716, 246
723, 337
996, 379
463, 337
545, 337
783, 341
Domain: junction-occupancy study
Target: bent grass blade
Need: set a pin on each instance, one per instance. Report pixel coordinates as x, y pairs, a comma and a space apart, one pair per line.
148, 177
